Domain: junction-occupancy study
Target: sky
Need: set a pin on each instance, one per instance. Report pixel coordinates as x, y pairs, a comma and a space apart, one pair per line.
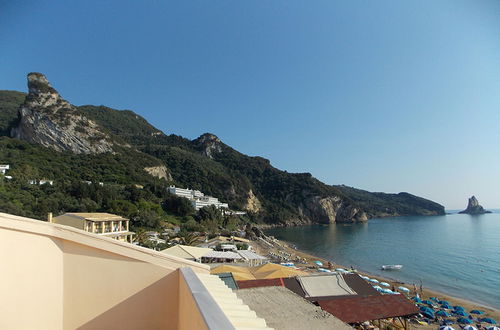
381, 95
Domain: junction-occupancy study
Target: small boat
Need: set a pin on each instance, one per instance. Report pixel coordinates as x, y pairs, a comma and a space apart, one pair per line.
391, 267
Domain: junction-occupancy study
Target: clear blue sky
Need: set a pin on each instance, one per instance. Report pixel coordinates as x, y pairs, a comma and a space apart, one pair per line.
381, 95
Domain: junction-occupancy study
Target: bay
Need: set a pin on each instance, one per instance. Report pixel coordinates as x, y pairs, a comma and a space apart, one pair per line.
456, 254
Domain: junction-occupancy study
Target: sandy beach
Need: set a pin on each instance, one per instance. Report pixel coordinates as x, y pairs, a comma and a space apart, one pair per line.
307, 261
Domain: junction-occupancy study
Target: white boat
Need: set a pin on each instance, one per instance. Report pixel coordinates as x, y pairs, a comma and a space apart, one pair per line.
391, 267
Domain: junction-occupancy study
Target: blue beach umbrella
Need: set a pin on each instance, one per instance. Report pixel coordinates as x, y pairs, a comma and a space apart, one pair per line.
448, 321
463, 320
364, 277
319, 263
492, 328
416, 299
443, 313
446, 327
476, 311
385, 284
428, 302
469, 327
443, 302
446, 306
371, 280
434, 298
402, 288
428, 314
458, 308
488, 320
426, 309
460, 313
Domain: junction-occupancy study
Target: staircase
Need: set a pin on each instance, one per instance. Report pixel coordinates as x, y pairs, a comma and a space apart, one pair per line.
239, 314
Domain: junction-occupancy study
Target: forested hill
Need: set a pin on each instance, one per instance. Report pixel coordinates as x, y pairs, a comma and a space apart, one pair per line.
124, 147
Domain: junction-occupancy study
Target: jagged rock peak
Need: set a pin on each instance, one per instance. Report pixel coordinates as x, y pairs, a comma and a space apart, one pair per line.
209, 144
46, 119
473, 207
42, 95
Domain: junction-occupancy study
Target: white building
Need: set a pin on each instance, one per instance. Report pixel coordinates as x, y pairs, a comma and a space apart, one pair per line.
4, 168
197, 198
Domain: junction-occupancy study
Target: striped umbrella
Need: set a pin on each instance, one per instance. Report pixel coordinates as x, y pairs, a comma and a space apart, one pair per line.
446, 327
469, 327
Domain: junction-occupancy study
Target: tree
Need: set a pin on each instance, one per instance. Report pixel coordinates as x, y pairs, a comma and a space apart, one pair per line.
188, 238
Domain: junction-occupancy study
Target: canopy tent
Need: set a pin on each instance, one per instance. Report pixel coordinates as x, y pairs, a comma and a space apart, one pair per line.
221, 256
267, 271
325, 285
252, 257
187, 252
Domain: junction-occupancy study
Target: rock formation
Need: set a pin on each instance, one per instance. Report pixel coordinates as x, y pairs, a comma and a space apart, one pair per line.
47, 119
159, 172
473, 207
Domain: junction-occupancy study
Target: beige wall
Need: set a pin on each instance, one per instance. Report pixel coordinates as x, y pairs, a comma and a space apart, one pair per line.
187, 319
70, 221
109, 291
56, 277
30, 281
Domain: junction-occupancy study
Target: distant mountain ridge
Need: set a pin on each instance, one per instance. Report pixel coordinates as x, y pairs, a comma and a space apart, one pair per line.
270, 195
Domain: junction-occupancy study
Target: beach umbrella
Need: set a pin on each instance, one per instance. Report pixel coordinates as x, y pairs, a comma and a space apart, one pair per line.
434, 298
469, 327
493, 328
476, 311
428, 302
460, 313
488, 320
319, 263
463, 320
446, 306
443, 313
426, 309
458, 308
371, 279
385, 284
428, 314
386, 291
364, 277
402, 288
417, 299
446, 327
443, 302
448, 321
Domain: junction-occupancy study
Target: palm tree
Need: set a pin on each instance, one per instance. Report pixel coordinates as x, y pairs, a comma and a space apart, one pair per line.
140, 236
188, 238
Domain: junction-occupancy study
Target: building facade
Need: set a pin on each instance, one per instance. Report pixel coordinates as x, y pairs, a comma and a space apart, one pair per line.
105, 224
4, 168
197, 198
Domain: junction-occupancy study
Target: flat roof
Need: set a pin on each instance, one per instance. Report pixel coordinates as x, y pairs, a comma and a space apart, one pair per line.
357, 309
95, 216
283, 309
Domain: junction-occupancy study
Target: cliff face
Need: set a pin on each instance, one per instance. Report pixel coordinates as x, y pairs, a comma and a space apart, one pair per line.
47, 119
268, 194
473, 207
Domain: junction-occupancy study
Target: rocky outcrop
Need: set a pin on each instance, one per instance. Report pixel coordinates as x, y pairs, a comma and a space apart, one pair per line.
47, 119
473, 207
333, 209
253, 204
159, 172
209, 145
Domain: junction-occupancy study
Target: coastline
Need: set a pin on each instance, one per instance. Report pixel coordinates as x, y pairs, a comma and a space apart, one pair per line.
426, 293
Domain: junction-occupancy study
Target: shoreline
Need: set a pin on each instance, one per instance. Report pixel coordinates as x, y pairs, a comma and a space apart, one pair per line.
468, 304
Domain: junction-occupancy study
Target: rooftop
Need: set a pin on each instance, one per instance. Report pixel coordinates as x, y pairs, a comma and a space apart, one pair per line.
96, 216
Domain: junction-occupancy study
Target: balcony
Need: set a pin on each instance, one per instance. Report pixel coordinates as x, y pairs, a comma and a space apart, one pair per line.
88, 281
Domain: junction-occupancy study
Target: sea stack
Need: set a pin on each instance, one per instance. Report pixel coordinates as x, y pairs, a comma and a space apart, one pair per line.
473, 207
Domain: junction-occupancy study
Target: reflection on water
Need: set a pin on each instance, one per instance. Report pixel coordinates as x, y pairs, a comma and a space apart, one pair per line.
457, 254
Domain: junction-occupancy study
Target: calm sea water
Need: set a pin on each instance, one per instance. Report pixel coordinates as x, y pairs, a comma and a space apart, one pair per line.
454, 254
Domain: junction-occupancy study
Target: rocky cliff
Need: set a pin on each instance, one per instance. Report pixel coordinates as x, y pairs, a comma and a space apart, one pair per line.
47, 119
473, 207
107, 136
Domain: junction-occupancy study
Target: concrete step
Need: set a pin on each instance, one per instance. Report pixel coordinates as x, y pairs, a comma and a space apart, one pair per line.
247, 322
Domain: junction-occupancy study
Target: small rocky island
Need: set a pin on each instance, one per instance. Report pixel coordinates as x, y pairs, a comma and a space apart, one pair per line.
473, 207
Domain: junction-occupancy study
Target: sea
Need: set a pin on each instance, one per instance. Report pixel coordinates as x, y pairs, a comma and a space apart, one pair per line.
456, 254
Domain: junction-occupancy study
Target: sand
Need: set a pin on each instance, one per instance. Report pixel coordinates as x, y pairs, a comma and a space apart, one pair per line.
283, 247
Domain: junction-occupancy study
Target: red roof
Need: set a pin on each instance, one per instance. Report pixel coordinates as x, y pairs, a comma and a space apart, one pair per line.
357, 309
260, 283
